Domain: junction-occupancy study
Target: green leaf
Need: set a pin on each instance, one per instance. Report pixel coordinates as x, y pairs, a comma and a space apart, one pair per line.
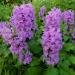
5, 12
7, 72
35, 46
35, 62
4, 50
69, 46
72, 59
65, 71
66, 38
17, 64
33, 71
51, 71
1, 64
62, 72
71, 72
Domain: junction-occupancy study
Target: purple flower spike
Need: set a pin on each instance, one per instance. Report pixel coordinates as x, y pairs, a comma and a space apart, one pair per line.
22, 25
51, 39
23, 21
23, 18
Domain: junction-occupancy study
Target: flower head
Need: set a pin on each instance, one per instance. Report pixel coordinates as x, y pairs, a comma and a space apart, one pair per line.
5, 32
68, 17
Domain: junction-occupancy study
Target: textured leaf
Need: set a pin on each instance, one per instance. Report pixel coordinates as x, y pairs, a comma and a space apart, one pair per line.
35, 62
66, 38
72, 59
69, 46
33, 71
35, 46
51, 71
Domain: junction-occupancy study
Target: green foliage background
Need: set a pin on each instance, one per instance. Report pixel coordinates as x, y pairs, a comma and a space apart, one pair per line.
9, 64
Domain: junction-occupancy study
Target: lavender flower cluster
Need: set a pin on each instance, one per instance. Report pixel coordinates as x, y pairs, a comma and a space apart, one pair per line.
22, 24
68, 17
51, 39
23, 19
6, 32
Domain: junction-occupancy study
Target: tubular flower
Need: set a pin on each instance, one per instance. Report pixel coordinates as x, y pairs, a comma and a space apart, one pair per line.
51, 39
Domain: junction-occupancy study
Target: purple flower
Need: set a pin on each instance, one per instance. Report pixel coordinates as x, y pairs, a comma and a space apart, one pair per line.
21, 57
20, 48
27, 58
68, 17
17, 46
51, 39
22, 25
23, 18
5, 32
42, 13
23, 21
54, 59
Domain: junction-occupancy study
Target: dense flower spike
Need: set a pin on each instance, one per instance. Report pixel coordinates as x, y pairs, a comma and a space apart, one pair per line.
51, 39
5, 32
42, 13
23, 19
